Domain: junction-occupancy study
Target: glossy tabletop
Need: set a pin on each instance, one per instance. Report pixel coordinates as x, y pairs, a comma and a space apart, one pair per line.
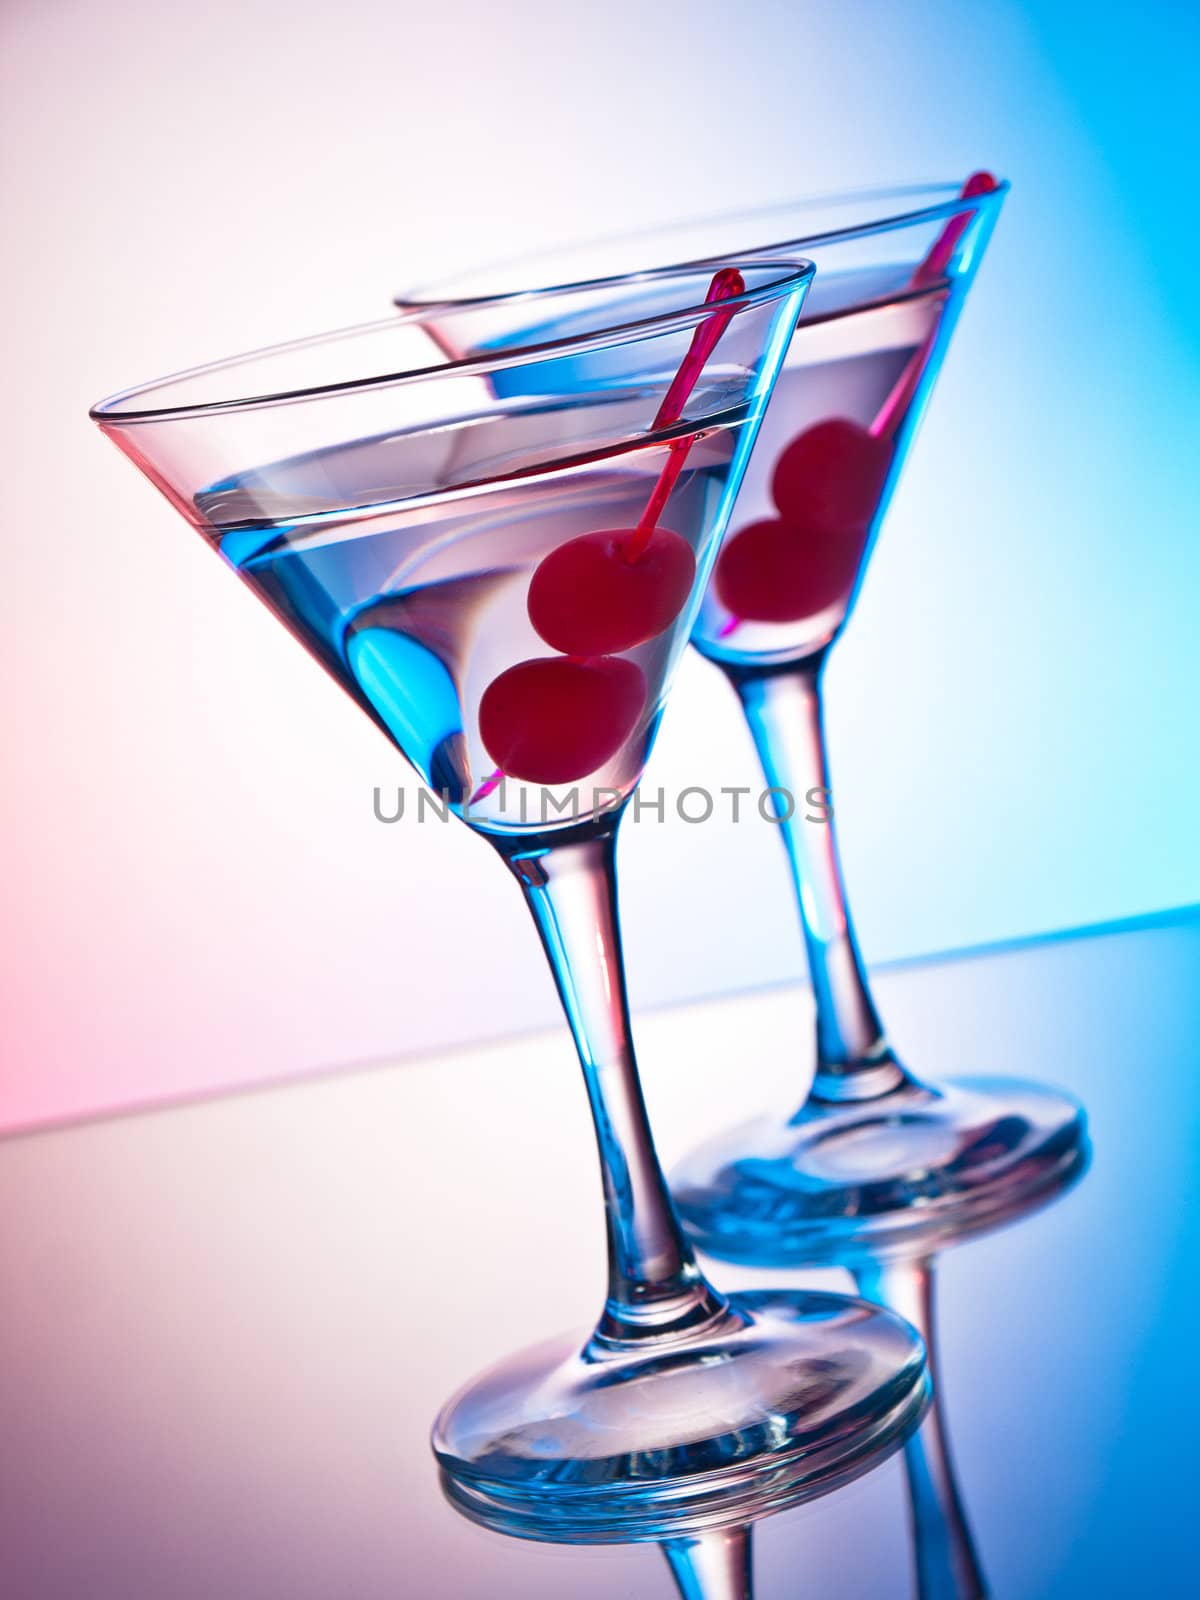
225, 1327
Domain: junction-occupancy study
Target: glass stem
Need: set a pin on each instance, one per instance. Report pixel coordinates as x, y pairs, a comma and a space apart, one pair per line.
854, 1061
713, 1565
655, 1287
947, 1565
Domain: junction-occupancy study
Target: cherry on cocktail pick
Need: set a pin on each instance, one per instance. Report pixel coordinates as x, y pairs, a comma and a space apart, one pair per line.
616, 588
771, 573
827, 485
590, 597
553, 720
829, 479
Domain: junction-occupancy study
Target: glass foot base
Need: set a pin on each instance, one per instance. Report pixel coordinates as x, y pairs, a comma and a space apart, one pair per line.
779, 1399
909, 1171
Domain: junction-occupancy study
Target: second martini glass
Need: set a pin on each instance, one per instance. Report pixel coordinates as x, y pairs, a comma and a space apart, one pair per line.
500, 560
874, 1157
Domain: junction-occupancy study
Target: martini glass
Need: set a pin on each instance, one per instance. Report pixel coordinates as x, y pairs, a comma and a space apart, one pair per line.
426, 527
875, 1159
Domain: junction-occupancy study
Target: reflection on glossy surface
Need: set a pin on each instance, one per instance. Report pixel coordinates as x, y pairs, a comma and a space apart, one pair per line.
948, 1566
878, 1185
227, 1324
712, 1563
713, 1566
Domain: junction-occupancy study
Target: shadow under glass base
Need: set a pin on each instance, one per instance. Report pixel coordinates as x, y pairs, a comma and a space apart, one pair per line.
780, 1398
907, 1171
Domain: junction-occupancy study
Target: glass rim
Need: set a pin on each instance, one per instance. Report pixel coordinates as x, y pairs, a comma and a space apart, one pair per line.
430, 296
795, 273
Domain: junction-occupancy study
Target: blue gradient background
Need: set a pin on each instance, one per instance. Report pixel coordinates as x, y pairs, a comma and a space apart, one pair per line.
186, 834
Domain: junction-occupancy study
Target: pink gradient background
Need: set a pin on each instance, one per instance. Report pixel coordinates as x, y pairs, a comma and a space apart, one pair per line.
195, 892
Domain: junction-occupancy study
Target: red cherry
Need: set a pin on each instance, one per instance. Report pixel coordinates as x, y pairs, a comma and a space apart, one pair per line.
590, 597
554, 720
830, 478
770, 571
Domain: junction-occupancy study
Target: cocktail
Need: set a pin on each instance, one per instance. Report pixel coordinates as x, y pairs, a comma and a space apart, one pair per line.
425, 526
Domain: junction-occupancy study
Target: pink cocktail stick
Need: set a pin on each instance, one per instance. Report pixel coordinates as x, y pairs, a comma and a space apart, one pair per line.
493, 781
726, 283
891, 413
930, 270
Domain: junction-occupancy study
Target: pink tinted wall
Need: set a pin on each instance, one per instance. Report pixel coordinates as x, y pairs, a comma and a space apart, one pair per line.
195, 890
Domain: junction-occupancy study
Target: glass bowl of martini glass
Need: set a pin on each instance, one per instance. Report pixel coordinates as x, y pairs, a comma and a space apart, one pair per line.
874, 1157
500, 559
